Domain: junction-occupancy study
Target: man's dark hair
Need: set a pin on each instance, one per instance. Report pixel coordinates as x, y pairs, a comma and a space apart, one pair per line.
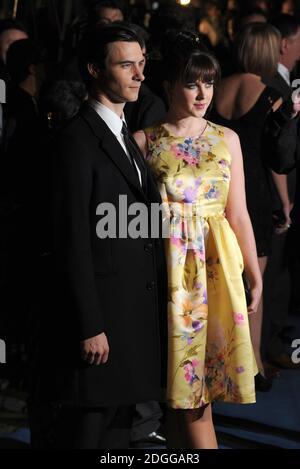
21, 54
94, 47
97, 5
107, 4
7, 24
241, 20
253, 11
287, 25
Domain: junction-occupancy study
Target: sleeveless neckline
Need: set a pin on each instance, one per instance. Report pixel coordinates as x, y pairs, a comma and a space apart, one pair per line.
170, 134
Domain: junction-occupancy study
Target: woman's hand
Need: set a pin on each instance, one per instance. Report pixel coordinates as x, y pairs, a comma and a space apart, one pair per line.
255, 297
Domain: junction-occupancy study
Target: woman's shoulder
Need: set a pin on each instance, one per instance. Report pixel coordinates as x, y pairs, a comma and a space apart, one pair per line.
232, 141
216, 129
154, 133
158, 126
147, 137
241, 82
229, 135
251, 86
239, 95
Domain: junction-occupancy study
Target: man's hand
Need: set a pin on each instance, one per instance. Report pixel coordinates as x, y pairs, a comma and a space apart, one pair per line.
296, 110
286, 209
95, 350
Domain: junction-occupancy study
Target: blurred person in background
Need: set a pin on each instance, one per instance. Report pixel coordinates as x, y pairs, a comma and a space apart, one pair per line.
22, 182
243, 102
106, 12
281, 291
10, 31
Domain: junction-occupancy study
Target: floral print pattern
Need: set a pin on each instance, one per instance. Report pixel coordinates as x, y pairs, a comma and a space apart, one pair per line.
210, 356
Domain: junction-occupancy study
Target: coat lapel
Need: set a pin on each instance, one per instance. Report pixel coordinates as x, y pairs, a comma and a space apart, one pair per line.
110, 145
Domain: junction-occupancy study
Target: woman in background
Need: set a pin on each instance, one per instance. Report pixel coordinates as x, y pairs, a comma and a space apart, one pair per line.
243, 103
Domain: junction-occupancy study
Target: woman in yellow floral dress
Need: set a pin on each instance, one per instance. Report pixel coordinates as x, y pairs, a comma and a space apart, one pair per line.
198, 166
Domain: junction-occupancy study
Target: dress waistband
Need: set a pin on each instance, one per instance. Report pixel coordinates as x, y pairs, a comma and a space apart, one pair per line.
189, 210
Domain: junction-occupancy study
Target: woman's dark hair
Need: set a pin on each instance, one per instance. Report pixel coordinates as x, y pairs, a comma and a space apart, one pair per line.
94, 47
170, 17
61, 100
186, 59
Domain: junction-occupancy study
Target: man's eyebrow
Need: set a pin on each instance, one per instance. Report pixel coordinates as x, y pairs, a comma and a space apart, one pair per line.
130, 61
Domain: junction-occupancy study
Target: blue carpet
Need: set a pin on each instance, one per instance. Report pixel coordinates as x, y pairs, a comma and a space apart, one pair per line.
255, 439
279, 407
22, 435
275, 418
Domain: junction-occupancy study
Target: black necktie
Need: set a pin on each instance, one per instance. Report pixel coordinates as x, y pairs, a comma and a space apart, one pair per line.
134, 154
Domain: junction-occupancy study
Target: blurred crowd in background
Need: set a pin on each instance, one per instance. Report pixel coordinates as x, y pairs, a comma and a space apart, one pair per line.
39, 41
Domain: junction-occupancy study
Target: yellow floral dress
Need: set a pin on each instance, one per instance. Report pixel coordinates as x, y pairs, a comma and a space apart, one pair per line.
210, 356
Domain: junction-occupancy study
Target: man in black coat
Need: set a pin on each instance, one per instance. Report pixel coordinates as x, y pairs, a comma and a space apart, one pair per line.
103, 349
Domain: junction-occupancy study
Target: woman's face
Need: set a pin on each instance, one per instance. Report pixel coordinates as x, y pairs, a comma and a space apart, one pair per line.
192, 99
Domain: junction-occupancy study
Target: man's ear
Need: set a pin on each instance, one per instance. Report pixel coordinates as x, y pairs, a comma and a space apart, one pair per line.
283, 45
32, 69
93, 70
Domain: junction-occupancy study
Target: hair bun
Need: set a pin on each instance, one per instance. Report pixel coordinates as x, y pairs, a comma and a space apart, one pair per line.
181, 42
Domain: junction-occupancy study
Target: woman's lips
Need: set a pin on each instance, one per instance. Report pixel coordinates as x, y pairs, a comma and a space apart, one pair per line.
200, 106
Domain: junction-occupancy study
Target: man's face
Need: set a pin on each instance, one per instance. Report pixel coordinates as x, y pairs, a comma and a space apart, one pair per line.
122, 79
262, 4
288, 7
293, 50
110, 15
7, 38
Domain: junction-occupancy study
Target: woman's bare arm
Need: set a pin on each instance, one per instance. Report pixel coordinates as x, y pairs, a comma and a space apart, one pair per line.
238, 217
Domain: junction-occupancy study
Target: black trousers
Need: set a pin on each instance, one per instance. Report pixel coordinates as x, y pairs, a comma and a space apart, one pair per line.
146, 420
67, 427
276, 297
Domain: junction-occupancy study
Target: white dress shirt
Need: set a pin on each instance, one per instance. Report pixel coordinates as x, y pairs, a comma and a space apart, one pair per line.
285, 73
115, 124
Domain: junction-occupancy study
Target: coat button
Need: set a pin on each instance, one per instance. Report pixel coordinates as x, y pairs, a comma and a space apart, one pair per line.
148, 248
150, 285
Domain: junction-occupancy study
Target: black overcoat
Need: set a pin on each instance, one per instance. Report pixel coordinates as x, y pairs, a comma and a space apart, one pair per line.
113, 285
